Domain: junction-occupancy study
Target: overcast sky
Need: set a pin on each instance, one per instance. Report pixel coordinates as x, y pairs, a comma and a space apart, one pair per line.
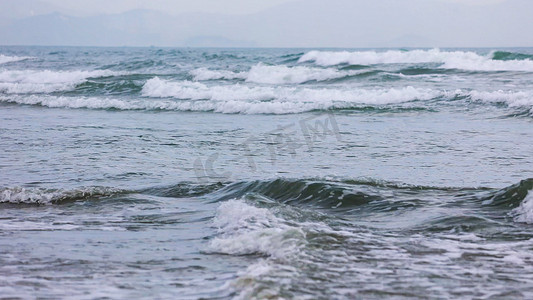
84, 7
268, 23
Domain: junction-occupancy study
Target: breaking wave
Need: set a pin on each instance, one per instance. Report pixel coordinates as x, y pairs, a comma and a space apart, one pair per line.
512, 99
6, 59
45, 81
244, 229
274, 74
463, 60
524, 212
159, 88
19, 195
235, 99
207, 74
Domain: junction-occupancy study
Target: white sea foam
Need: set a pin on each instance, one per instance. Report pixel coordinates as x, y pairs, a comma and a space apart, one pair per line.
5, 59
464, 60
261, 73
245, 229
207, 74
239, 98
524, 212
45, 81
283, 74
48, 196
195, 96
512, 99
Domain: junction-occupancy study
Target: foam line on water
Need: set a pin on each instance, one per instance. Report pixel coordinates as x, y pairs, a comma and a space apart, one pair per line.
463, 60
280, 74
46, 81
245, 229
157, 87
6, 59
524, 212
233, 99
20, 195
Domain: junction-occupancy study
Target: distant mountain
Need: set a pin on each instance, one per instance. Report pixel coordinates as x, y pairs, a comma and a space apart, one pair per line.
309, 23
132, 28
16, 9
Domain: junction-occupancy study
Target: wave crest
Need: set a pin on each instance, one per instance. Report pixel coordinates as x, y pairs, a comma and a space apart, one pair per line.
276, 100
244, 229
19, 195
45, 81
232, 99
462, 60
280, 74
208, 74
6, 59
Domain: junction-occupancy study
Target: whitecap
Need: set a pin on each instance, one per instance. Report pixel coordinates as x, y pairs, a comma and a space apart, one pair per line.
463, 60
20, 195
207, 74
46, 81
6, 59
266, 74
524, 212
245, 229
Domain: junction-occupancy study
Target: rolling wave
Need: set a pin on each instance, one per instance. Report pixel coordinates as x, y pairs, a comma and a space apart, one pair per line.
207, 74
274, 74
234, 99
505, 55
511, 196
46, 81
337, 196
462, 60
6, 59
19, 195
159, 88
350, 196
243, 229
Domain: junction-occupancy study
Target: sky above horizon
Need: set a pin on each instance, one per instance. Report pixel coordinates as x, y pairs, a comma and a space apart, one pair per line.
272, 23
83, 7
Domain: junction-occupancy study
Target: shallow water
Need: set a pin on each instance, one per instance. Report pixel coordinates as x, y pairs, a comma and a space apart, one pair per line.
256, 173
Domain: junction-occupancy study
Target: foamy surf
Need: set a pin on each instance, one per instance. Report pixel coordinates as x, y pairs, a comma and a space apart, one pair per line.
462, 60
261, 73
510, 98
7, 59
160, 88
46, 81
524, 212
50, 76
20, 195
208, 74
239, 99
245, 229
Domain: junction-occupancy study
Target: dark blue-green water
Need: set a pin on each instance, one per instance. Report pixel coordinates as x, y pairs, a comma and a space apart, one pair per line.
147, 173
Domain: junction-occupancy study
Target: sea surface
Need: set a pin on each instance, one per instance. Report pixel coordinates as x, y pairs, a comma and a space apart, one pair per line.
183, 173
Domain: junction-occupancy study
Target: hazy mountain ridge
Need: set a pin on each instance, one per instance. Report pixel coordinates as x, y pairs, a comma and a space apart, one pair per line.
310, 23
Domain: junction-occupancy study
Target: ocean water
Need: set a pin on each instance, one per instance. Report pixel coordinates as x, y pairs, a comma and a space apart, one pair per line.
160, 173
